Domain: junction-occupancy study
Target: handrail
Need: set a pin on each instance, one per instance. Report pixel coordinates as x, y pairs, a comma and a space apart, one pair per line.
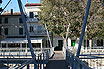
74, 61
81, 63
25, 64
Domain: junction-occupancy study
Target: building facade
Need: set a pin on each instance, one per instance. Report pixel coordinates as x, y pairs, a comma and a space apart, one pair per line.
11, 26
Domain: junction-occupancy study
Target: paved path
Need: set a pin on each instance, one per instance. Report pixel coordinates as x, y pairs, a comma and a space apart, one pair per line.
57, 62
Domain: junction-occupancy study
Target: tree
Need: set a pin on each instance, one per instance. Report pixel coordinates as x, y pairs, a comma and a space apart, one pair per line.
57, 14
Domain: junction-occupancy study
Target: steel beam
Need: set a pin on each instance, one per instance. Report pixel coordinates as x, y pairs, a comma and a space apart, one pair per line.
27, 32
84, 26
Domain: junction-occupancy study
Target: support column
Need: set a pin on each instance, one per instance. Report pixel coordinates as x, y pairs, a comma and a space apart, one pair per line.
83, 28
26, 48
27, 33
90, 44
6, 45
20, 45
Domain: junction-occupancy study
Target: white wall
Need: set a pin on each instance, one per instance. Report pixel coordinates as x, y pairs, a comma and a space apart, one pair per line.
34, 9
55, 41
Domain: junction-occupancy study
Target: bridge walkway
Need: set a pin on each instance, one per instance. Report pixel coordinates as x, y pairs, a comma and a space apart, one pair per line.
57, 61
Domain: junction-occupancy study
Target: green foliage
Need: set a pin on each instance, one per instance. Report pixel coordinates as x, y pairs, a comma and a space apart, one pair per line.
57, 14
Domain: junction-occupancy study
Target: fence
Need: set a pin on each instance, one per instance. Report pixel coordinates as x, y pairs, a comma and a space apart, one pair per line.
41, 61
41, 57
22, 52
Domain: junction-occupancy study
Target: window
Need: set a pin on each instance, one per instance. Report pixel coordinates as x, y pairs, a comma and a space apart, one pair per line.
47, 44
100, 42
36, 15
39, 28
24, 45
6, 31
6, 20
73, 43
20, 20
0, 20
20, 31
31, 14
31, 28
36, 45
4, 45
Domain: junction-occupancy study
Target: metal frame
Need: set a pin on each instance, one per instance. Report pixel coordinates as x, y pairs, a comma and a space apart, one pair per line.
27, 33
84, 26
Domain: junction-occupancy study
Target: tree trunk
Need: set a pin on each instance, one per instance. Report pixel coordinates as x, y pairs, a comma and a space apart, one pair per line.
64, 45
90, 44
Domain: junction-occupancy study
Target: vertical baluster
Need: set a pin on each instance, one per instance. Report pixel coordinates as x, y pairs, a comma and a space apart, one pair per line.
40, 60
73, 62
28, 66
80, 66
43, 61
66, 58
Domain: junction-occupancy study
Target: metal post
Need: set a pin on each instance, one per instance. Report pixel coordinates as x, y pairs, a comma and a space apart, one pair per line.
48, 35
27, 33
28, 66
80, 66
40, 61
73, 62
84, 26
43, 61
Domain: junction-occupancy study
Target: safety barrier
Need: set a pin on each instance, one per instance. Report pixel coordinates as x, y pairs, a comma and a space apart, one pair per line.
74, 62
41, 61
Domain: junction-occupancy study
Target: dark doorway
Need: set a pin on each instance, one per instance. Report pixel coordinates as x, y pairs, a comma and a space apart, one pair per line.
60, 45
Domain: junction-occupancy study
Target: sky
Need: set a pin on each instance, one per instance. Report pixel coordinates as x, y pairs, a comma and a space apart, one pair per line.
14, 5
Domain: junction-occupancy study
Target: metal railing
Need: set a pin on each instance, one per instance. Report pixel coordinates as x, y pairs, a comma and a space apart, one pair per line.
23, 52
74, 62
42, 60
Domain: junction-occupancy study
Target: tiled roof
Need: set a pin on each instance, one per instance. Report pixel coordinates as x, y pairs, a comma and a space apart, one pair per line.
33, 4
15, 13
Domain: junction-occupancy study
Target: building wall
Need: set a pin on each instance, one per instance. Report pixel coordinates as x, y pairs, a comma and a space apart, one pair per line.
13, 25
55, 41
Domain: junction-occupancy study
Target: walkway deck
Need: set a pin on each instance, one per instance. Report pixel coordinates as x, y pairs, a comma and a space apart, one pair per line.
57, 61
